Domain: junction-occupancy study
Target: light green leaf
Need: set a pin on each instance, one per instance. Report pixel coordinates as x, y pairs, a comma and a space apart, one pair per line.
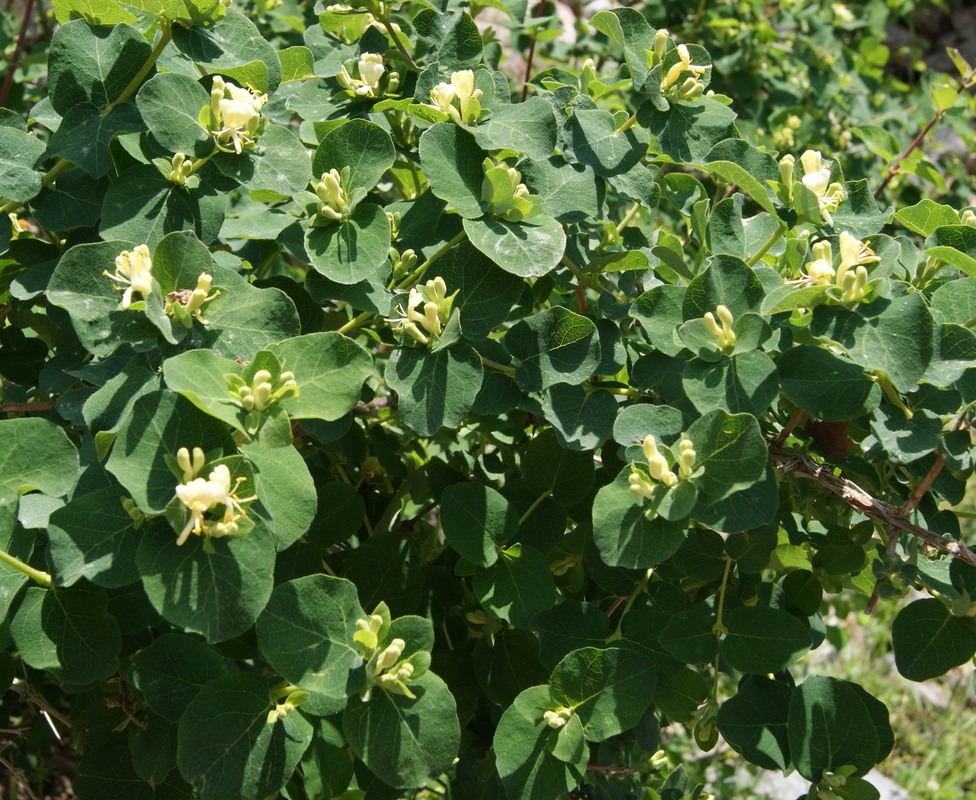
956, 245
528, 249
37, 456
170, 105
738, 162
362, 146
743, 383
727, 281
659, 311
245, 756
285, 490
452, 162
593, 141
528, 127
352, 250
570, 192
630, 30
582, 420
196, 12
688, 131
276, 163
297, 64
306, 635
94, 12
198, 375
731, 452
451, 38
18, 154
925, 216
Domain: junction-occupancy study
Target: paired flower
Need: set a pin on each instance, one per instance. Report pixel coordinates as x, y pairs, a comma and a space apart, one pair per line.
388, 671
691, 87
461, 88
659, 468
851, 276
428, 308
723, 333
261, 393
186, 305
333, 199
816, 177
371, 69
235, 114
503, 193
558, 717
202, 496
133, 269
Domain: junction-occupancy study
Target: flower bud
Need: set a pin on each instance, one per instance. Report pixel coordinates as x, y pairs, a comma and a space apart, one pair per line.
660, 45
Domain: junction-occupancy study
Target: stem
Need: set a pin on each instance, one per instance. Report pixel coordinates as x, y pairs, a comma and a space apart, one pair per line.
356, 321
510, 371
137, 79
627, 125
43, 578
385, 21
417, 274
769, 243
639, 589
924, 485
15, 56
789, 426
893, 168
628, 217
534, 506
719, 628
531, 57
20, 408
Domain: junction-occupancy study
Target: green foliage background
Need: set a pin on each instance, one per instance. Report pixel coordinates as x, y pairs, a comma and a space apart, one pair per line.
549, 421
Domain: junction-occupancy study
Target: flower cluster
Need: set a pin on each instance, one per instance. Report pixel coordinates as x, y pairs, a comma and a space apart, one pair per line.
503, 194
235, 114
201, 496
851, 276
133, 269
671, 84
723, 333
334, 203
388, 671
458, 98
816, 177
659, 468
435, 310
186, 305
261, 392
370, 68
557, 717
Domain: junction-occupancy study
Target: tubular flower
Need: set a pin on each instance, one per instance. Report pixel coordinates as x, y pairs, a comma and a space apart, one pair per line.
333, 199
133, 269
461, 88
686, 91
821, 270
723, 334
187, 304
558, 717
236, 113
371, 69
816, 177
201, 496
428, 308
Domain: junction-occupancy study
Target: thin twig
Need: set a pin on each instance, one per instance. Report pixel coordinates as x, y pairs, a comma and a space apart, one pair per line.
803, 466
528, 61
20, 408
924, 486
896, 164
15, 56
789, 426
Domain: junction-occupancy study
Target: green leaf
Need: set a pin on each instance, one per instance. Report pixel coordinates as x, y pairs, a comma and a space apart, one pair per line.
925, 216
904, 440
108, 773
244, 756
624, 534
153, 748
37, 456
630, 30
761, 639
353, 250
830, 727
142, 206
548, 468
451, 38
486, 293
929, 641
609, 689
436, 390
93, 64
93, 537
214, 587
680, 692
233, 42
18, 154
743, 383
94, 12
159, 425
894, 336
198, 375
523, 754
85, 135
306, 634
594, 142
329, 369
405, 742
689, 637
553, 346
828, 387
476, 521
170, 672
73, 201
731, 452
727, 281
570, 192
452, 162
738, 162
567, 626
956, 245
528, 249
362, 146
507, 664
277, 163
955, 302
688, 131
659, 311
859, 213
285, 490
69, 632
517, 587
582, 421
753, 721
528, 127
195, 12
297, 64
170, 105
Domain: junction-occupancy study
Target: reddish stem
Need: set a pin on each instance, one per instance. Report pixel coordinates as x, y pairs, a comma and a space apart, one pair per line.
788, 428
528, 63
615, 605
15, 56
18, 408
893, 169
